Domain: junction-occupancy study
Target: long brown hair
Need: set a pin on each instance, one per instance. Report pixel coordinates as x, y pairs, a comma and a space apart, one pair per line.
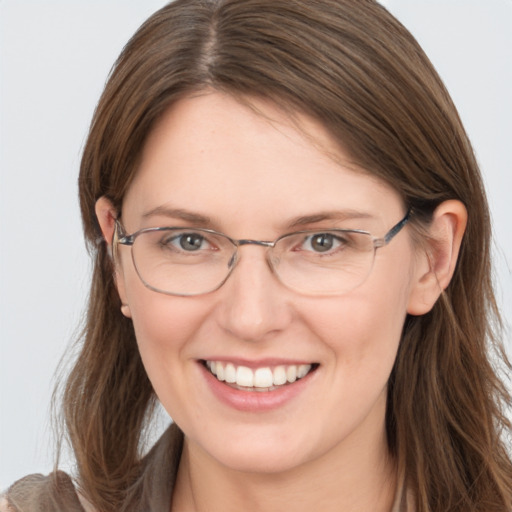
357, 70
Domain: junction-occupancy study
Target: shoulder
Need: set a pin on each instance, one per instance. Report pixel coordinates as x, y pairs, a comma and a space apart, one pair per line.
38, 493
56, 491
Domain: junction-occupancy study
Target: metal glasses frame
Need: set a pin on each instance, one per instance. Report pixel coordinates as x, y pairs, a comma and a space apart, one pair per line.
120, 237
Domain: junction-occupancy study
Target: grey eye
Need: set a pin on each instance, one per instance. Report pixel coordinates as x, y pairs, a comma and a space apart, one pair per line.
322, 242
191, 241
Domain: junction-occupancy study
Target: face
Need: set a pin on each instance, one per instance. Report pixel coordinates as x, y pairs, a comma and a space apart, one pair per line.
212, 162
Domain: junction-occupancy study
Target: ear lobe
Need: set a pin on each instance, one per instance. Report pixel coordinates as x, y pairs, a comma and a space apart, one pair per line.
125, 310
436, 266
106, 215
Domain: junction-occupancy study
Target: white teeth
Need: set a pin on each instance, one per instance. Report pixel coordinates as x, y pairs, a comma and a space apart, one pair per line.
279, 375
291, 373
220, 372
303, 370
230, 373
262, 378
244, 377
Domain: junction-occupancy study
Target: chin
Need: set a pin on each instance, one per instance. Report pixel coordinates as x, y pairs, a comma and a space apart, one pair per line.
259, 452
261, 462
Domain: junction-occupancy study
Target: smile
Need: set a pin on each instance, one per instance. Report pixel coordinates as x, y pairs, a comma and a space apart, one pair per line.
258, 379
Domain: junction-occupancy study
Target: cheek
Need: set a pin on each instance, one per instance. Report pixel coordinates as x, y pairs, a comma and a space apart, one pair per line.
363, 329
164, 326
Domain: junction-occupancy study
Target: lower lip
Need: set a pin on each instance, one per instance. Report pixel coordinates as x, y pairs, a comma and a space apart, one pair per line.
255, 401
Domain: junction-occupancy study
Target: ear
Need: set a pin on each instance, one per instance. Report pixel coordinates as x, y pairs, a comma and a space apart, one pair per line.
436, 265
106, 215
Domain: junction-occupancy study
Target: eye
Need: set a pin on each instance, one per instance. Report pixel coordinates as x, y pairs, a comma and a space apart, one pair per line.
188, 242
191, 241
322, 242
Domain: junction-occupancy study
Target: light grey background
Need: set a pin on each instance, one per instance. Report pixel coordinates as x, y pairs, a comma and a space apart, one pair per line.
54, 59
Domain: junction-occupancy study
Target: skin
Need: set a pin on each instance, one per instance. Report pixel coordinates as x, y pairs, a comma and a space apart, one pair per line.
252, 174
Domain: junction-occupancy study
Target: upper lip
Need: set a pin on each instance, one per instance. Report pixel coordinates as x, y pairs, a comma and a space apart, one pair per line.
259, 363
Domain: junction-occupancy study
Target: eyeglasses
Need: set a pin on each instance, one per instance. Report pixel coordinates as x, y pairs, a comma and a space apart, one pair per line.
193, 261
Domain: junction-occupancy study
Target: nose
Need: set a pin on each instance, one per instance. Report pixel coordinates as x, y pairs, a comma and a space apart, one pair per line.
254, 305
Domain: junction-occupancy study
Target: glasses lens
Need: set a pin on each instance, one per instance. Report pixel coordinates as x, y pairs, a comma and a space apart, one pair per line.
182, 261
194, 261
324, 262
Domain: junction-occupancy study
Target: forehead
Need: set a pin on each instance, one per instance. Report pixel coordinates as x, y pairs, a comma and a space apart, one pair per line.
215, 156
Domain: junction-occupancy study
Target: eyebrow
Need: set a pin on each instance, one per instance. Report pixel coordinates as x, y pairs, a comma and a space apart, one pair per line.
202, 220
179, 213
333, 215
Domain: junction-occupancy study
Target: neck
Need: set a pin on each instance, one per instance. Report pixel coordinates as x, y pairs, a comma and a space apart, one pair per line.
356, 475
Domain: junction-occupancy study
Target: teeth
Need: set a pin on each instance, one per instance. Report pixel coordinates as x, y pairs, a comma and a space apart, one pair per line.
291, 374
265, 377
220, 372
279, 375
303, 370
244, 377
229, 373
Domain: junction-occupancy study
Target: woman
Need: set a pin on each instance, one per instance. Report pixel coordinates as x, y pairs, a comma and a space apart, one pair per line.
291, 245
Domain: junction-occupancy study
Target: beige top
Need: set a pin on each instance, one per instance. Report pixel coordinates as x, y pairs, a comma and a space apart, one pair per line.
151, 493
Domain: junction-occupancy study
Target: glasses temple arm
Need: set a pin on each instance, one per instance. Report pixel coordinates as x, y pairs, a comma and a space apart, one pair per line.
397, 228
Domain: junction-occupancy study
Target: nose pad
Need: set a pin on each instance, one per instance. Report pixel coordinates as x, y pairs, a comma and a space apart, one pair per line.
232, 261
253, 302
273, 262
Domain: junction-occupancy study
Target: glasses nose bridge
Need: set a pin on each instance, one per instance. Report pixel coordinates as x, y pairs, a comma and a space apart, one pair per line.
261, 243
235, 258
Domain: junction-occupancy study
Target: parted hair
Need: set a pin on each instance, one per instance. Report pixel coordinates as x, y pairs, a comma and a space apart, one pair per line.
352, 66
